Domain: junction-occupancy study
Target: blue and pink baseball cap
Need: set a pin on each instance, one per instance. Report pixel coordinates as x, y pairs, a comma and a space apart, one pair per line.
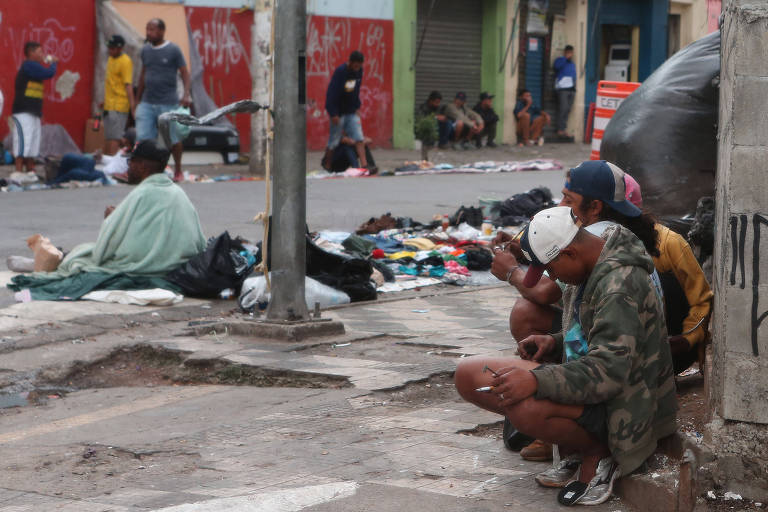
603, 180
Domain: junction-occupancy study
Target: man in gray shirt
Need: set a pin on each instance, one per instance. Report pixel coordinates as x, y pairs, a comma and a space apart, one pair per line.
161, 61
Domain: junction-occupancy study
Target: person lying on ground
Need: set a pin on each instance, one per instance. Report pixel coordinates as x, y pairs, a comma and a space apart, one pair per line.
612, 397
154, 230
345, 156
465, 122
531, 120
77, 167
590, 189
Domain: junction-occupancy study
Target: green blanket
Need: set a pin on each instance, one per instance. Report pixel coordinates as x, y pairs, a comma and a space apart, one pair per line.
153, 231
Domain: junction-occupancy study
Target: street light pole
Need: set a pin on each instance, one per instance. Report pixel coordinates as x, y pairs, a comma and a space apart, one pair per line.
289, 210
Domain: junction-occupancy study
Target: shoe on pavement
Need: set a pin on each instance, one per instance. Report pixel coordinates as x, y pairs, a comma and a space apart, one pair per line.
513, 439
458, 147
561, 473
540, 142
491, 144
468, 145
537, 451
601, 486
572, 493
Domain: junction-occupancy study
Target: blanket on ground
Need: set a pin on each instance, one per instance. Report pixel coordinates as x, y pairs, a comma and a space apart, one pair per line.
153, 231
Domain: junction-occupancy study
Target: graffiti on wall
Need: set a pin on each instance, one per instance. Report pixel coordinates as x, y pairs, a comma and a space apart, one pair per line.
739, 252
65, 30
222, 38
330, 40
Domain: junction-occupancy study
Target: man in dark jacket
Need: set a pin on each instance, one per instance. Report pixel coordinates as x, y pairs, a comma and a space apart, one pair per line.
484, 107
433, 107
342, 101
28, 104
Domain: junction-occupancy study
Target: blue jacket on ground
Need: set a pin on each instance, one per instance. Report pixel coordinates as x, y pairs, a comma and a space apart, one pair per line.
343, 94
565, 73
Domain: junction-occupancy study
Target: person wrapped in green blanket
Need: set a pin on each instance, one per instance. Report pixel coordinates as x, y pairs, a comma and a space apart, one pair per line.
152, 231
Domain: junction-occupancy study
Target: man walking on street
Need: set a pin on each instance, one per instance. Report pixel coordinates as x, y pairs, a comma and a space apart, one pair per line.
161, 61
485, 108
28, 104
118, 94
565, 87
342, 102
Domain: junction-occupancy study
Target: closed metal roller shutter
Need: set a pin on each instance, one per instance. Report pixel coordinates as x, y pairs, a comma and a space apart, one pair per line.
449, 60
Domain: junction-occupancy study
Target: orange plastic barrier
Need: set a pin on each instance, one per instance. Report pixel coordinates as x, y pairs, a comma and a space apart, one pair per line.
609, 97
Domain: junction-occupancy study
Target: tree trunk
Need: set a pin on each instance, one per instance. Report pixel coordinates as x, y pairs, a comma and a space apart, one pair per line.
424, 151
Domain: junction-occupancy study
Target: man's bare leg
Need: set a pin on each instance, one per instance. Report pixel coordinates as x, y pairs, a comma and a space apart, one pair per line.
458, 131
528, 318
360, 149
543, 419
19, 163
30, 164
524, 121
177, 149
537, 127
111, 146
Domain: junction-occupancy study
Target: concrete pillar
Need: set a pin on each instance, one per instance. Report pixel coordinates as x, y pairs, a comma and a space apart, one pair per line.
261, 76
739, 381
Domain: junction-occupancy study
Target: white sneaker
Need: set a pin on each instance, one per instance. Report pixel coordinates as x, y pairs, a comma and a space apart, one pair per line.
601, 486
562, 471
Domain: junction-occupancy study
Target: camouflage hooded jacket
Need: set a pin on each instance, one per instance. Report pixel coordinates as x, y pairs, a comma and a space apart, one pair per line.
628, 365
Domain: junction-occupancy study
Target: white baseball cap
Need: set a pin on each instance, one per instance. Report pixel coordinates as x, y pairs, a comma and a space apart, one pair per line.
549, 232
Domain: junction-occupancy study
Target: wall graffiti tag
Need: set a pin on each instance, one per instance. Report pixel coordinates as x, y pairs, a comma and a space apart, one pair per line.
330, 40
218, 40
738, 228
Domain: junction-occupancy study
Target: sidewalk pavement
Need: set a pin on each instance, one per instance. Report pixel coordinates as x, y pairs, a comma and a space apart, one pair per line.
395, 437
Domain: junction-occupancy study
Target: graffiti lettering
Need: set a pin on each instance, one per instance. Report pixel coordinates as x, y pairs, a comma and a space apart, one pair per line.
55, 38
218, 42
738, 253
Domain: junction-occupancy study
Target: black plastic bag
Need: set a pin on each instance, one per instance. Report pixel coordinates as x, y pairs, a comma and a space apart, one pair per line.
345, 273
218, 267
665, 133
471, 215
527, 204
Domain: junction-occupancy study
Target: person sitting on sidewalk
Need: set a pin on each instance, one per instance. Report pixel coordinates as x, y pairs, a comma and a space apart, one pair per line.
591, 189
153, 231
530, 120
490, 118
465, 123
345, 156
432, 107
612, 397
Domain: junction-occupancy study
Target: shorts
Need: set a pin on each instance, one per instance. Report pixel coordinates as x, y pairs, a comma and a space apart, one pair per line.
349, 125
27, 131
114, 124
594, 420
146, 122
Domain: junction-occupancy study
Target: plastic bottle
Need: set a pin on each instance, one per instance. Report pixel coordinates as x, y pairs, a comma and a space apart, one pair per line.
446, 222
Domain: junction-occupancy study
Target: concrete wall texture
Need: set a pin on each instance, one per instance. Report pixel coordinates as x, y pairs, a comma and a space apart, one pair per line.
739, 384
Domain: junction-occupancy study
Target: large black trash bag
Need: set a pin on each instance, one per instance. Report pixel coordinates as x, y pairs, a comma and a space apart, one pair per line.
665, 133
519, 208
345, 273
218, 267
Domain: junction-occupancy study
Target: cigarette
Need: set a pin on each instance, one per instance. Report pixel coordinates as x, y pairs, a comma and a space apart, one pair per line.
484, 389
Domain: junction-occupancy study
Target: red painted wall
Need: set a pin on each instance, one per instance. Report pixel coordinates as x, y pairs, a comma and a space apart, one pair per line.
223, 39
330, 40
66, 30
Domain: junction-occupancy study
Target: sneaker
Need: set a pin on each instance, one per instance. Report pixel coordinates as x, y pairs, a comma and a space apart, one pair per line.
468, 145
491, 144
458, 147
540, 142
513, 439
561, 473
601, 486
537, 451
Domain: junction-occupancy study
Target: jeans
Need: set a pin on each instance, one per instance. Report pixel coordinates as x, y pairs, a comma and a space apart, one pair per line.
146, 122
76, 167
564, 104
349, 125
444, 131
